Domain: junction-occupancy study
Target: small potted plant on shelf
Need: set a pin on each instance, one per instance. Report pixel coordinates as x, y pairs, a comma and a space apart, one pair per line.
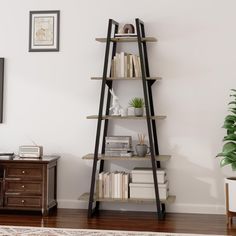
137, 104
141, 147
229, 152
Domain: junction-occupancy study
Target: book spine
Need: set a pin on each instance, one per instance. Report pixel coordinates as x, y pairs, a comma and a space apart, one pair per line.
100, 185
126, 66
126, 187
139, 67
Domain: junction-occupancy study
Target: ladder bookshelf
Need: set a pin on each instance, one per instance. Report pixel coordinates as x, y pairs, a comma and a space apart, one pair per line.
155, 158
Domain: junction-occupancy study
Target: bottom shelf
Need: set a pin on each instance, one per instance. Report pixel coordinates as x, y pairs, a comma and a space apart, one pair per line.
85, 197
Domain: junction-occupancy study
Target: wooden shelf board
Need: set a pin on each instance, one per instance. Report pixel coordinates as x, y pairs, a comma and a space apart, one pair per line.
126, 78
133, 158
85, 197
126, 117
127, 39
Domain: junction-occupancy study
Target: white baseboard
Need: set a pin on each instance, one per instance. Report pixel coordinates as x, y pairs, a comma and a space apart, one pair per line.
196, 208
72, 204
177, 208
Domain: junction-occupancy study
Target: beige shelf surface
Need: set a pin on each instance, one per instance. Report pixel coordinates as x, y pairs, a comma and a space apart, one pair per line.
90, 156
127, 39
126, 78
126, 117
85, 197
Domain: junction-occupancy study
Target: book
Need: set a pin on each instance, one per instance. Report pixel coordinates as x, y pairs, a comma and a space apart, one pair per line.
122, 35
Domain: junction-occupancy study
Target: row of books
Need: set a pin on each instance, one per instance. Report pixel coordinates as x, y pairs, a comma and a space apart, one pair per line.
118, 146
113, 185
125, 65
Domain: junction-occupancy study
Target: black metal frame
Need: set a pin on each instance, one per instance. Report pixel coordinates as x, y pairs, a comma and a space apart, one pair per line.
151, 124
109, 83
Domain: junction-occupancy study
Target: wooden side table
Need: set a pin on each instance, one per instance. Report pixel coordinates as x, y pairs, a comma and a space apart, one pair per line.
28, 184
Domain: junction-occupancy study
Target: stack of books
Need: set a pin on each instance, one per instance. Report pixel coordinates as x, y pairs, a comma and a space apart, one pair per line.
113, 185
118, 146
125, 65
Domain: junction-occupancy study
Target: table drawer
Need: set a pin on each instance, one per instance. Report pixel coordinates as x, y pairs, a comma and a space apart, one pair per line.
23, 187
24, 171
24, 202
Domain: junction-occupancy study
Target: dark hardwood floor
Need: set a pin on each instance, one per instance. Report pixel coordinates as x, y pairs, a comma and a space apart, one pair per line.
122, 220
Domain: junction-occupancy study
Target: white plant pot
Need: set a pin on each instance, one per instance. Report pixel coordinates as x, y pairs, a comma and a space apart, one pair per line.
231, 181
138, 111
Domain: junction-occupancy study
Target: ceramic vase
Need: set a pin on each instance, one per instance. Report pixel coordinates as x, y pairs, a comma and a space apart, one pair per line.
138, 111
141, 150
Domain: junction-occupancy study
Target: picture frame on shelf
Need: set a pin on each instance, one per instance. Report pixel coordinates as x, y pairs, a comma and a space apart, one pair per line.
44, 31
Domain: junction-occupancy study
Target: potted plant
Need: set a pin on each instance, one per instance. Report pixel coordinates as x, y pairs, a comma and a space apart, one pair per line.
137, 104
229, 152
141, 147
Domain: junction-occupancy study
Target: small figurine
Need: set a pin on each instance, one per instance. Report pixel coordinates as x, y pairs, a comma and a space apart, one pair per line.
116, 107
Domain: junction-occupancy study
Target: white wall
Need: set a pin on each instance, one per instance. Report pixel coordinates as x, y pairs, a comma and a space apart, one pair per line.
49, 94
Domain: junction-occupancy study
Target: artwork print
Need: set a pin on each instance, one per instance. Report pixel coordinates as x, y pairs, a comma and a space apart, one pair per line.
44, 31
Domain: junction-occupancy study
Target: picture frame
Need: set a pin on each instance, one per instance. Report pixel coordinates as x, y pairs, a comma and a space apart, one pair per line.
44, 31
1, 87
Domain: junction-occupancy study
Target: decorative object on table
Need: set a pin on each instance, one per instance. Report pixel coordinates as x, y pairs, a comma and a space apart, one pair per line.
138, 105
142, 185
116, 107
1, 87
30, 151
7, 155
145, 175
229, 157
128, 30
44, 30
141, 148
124, 111
118, 146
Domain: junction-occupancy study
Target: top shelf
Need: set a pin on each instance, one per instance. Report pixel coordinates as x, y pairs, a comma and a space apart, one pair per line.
127, 39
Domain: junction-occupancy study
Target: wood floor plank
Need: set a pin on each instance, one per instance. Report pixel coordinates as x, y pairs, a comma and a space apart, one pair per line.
123, 220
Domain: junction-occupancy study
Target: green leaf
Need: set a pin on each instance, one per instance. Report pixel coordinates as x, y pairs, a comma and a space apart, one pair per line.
229, 147
229, 128
232, 95
229, 156
230, 103
230, 118
233, 111
232, 156
225, 161
229, 122
233, 165
230, 137
233, 90
137, 102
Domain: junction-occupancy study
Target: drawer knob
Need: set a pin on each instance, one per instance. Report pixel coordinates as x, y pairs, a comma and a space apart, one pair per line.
23, 186
23, 201
23, 172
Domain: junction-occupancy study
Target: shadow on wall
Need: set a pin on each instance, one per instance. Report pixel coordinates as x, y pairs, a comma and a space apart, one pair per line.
74, 176
193, 183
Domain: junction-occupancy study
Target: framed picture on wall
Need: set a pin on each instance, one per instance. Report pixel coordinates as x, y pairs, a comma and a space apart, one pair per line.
1, 87
44, 27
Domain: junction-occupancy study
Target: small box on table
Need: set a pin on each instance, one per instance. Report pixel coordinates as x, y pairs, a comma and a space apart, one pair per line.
145, 175
147, 191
